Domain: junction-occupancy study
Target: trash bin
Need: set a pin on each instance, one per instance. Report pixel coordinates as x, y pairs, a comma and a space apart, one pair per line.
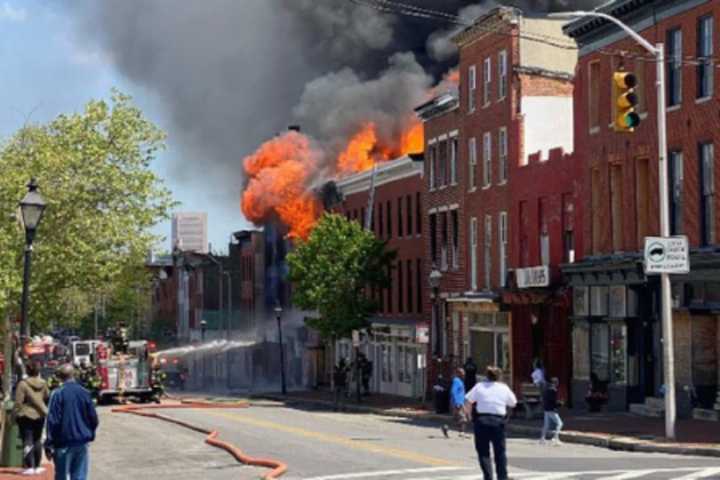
441, 396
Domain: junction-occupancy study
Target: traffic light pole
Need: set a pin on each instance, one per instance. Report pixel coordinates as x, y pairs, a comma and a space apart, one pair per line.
658, 51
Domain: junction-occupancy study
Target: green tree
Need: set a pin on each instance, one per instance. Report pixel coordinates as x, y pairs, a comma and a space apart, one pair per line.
93, 168
334, 273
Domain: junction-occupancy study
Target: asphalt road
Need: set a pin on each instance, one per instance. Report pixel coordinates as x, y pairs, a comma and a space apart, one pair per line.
320, 445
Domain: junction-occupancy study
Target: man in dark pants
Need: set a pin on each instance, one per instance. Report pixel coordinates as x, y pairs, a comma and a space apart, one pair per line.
492, 399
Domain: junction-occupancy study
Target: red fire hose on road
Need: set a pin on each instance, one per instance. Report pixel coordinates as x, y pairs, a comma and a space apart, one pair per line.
278, 468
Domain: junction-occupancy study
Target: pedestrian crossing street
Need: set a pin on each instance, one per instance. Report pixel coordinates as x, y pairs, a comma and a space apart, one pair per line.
458, 473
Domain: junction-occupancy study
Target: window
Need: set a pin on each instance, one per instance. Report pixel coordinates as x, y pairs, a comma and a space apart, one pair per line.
409, 298
705, 52
453, 160
502, 154
594, 95
431, 154
642, 200
442, 162
676, 193
418, 284
544, 230
473, 253
707, 200
418, 214
488, 251
503, 244
595, 205
568, 226
472, 88
674, 67
616, 206
401, 282
381, 223
409, 214
487, 159
455, 239
600, 348
502, 74
433, 239
400, 217
443, 241
388, 213
487, 78
472, 162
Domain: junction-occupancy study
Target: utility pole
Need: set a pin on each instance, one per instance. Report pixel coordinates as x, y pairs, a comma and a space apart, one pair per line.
658, 51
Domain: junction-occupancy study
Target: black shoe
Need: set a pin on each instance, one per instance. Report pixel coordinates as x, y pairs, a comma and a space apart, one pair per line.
445, 431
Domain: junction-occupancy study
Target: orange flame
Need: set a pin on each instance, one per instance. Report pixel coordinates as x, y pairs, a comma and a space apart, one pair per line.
453, 76
278, 173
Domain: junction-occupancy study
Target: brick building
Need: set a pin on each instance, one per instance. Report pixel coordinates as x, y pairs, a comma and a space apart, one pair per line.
396, 340
515, 104
617, 330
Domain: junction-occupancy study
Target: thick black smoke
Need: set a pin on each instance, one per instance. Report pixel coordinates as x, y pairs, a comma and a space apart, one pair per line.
231, 73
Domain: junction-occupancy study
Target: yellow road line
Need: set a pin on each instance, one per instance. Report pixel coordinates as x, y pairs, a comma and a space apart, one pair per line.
335, 439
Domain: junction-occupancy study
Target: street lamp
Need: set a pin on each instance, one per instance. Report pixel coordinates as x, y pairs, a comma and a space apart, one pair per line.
665, 294
278, 315
32, 207
434, 280
203, 329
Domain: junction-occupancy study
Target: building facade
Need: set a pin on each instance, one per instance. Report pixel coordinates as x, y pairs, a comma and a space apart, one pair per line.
617, 337
189, 231
396, 339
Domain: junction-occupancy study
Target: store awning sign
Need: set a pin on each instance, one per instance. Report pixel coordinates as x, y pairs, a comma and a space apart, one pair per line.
533, 277
667, 255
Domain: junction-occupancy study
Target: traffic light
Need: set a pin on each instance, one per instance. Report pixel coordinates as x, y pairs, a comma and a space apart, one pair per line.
625, 97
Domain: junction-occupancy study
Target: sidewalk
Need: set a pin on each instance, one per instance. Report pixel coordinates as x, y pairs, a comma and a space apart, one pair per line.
620, 431
16, 473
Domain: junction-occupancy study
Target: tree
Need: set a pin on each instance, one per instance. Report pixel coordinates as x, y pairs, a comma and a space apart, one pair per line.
335, 271
93, 169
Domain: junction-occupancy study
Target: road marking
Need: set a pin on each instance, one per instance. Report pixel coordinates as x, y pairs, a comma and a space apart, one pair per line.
387, 473
335, 439
628, 475
700, 474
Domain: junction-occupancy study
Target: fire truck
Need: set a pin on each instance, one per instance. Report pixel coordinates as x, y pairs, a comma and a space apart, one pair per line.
125, 374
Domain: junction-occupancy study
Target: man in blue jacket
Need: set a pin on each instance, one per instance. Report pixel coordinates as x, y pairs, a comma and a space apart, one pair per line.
457, 402
71, 424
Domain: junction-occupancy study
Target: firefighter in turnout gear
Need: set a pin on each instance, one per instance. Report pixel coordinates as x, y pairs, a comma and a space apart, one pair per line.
89, 379
157, 382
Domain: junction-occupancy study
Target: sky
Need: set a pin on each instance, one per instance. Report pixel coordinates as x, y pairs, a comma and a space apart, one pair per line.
47, 68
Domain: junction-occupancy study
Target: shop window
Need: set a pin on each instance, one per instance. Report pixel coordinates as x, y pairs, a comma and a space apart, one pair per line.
490, 340
600, 351
618, 350
387, 363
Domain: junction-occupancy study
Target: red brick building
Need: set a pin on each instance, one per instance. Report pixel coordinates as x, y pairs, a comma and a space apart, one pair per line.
617, 332
515, 103
396, 340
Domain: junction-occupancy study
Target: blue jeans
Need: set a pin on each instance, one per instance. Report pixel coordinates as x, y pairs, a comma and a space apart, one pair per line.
71, 463
554, 418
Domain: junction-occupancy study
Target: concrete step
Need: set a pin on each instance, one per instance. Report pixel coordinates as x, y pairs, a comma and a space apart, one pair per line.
706, 414
643, 410
655, 403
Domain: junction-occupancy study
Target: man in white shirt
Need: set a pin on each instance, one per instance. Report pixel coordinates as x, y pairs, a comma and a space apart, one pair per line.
492, 398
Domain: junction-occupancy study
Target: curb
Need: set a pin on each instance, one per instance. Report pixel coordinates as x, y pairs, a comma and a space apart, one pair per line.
612, 442
278, 468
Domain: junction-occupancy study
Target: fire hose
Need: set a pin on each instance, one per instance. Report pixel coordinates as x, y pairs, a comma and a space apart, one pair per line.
278, 468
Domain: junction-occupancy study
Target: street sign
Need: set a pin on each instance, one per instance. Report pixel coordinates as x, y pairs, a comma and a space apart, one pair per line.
667, 255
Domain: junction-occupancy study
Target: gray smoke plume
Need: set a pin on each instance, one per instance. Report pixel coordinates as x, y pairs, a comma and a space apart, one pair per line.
232, 73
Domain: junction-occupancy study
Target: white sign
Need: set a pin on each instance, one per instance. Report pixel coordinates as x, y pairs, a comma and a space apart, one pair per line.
667, 255
422, 334
532, 277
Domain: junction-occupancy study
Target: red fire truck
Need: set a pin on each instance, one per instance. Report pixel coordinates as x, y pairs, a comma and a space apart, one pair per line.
125, 375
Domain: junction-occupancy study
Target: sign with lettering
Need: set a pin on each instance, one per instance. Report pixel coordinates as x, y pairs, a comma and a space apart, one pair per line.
667, 255
422, 334
532, 277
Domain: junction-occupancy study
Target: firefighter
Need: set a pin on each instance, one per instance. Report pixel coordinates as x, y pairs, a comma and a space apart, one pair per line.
157, 382
89, 379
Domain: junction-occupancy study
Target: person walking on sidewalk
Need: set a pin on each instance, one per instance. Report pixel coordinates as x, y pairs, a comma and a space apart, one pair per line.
71, 425
550, 406
492, 399
31, 398
457, 402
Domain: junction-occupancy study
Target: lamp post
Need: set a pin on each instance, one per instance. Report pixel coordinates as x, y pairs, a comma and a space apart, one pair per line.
203, 329
278, 315
434, 280
658, 51
32, 207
